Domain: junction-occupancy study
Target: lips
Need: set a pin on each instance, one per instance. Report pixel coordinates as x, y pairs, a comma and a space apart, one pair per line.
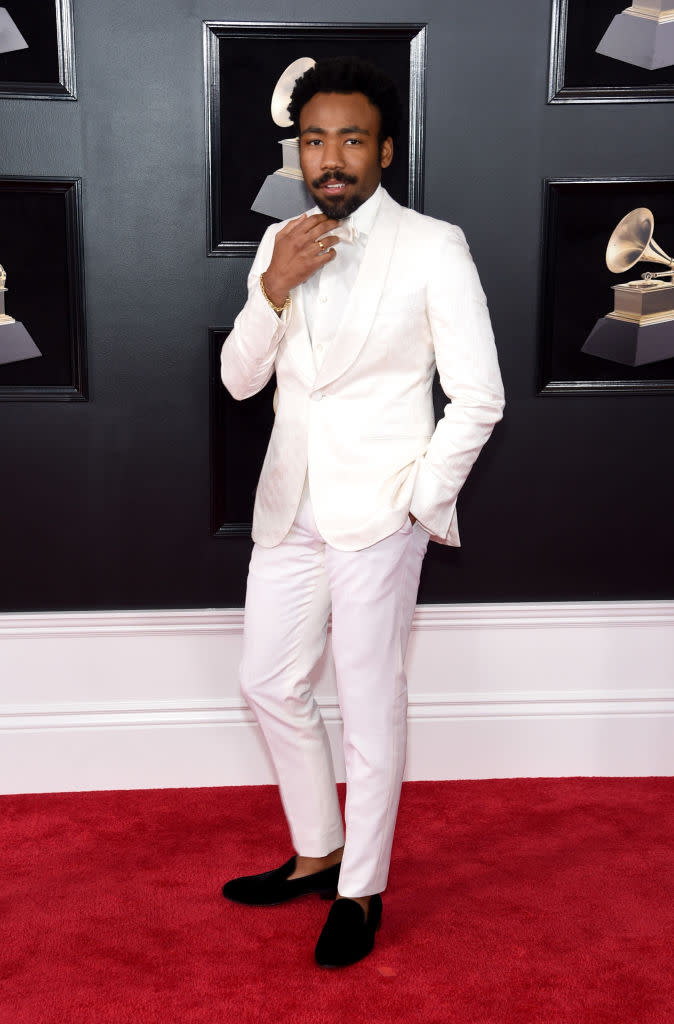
333, 183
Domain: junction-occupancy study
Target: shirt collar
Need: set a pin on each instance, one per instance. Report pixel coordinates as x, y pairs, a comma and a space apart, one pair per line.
362, 220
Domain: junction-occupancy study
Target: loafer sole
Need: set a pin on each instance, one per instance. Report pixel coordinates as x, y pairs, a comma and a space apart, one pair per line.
324, 895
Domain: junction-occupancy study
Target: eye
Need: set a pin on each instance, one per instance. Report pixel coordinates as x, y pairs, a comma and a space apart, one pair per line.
313, 142
355, 141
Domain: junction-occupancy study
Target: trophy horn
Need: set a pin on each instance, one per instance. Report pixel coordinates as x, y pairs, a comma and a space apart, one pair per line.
284, 88
632, 241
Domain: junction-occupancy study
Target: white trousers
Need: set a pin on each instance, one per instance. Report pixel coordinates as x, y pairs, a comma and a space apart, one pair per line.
372, 592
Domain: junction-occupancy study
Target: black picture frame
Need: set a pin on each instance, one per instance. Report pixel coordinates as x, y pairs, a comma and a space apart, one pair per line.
580, 75
243, 61
41, 248
239, 435
46, 70
579, 217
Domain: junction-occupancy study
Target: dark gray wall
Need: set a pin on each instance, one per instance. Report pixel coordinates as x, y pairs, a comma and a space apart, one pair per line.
105, 504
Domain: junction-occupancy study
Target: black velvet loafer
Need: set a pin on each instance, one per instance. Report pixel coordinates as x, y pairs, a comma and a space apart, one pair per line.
273, 887
348, 935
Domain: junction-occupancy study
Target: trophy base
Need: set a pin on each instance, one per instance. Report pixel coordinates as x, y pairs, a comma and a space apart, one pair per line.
10, 37
641, 41
629, 343
16, 343
282, 196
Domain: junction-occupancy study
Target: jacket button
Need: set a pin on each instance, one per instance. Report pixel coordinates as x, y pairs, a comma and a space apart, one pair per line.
316, 396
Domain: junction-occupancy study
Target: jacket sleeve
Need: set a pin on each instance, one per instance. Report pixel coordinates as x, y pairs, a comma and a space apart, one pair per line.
467, 364
249, 353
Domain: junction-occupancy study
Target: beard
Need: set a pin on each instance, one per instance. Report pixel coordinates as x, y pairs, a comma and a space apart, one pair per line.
337, 208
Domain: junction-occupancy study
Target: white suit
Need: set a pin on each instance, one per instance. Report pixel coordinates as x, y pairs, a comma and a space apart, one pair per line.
360, 429
364, 424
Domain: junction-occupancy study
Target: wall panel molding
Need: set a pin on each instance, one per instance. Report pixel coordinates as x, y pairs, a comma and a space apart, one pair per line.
50, 42
247, 57
108, 700
437, 707
43, 253
186, 622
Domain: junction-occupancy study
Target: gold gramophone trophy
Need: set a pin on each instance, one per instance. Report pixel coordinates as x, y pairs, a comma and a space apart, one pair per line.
641, 327
642, 34
15, 341
283, 193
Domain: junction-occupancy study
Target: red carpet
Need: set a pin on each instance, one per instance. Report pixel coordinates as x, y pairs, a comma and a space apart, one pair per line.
532, 901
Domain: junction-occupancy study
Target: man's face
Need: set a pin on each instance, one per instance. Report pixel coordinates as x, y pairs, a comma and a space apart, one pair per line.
340, 155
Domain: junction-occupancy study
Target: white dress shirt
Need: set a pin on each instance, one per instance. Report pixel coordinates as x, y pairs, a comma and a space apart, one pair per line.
327, 291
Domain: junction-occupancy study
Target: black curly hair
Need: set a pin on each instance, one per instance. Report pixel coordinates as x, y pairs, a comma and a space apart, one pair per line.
346, 75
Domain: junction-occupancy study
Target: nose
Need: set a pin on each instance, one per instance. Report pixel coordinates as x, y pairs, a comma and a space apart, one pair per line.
332, 154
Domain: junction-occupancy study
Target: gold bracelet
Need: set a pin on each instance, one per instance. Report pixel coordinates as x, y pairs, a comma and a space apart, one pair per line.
277, 309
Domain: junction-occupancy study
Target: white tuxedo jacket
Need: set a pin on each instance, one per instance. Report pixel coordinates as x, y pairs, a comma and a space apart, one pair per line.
363, 424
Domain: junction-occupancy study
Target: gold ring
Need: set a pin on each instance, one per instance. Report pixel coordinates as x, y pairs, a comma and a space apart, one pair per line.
319, 244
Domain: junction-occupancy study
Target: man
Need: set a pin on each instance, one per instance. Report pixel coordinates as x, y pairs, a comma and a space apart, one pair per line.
352, 306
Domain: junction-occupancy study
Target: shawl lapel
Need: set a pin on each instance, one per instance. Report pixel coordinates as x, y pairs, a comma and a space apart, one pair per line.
365, 297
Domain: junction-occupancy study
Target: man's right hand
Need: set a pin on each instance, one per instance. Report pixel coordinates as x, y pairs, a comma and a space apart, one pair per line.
297, 254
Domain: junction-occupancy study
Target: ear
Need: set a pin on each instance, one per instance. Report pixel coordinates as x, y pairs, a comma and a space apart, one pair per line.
386, 152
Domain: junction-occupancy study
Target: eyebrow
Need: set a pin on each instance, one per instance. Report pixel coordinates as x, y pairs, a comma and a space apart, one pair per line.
353, 129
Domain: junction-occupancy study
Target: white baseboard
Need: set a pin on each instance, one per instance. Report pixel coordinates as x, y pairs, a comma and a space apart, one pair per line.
150, 699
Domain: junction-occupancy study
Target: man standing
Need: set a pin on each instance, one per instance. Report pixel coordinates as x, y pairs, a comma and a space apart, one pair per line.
353, 306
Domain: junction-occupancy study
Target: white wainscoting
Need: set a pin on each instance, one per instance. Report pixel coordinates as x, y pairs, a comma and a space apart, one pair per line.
120, 700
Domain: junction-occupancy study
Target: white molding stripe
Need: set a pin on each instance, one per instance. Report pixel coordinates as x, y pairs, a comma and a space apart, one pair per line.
529, 616
188, 622
185, 622
438, 707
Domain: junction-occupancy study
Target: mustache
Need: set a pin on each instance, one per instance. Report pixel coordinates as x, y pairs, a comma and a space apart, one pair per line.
347, 179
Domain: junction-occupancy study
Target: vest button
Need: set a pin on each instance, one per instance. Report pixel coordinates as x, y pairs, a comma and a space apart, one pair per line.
316, 396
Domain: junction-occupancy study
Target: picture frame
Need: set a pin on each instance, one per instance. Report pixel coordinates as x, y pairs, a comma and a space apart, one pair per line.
45, 70
580, 215
578, 74
41, 249
239, 435
242, 63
